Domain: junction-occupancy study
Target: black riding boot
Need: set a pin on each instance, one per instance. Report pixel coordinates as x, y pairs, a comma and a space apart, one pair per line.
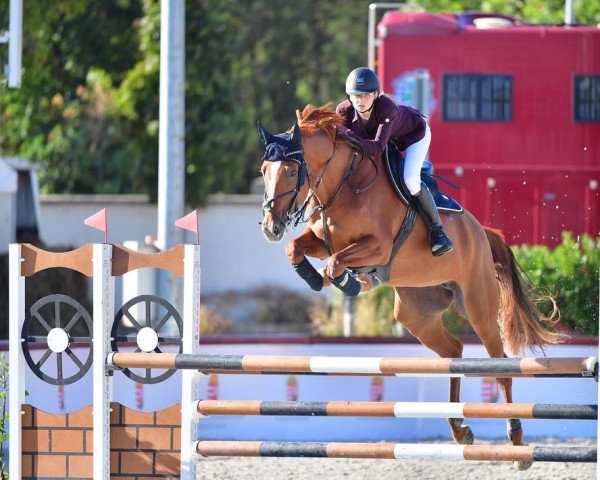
440, 243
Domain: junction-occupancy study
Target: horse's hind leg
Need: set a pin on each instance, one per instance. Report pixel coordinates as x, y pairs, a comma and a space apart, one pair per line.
420, 311
481, 303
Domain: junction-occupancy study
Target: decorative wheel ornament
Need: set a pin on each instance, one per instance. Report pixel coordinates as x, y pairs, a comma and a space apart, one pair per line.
148, 321
52, 322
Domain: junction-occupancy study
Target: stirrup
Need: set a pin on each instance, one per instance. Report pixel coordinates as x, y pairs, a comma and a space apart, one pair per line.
440, 243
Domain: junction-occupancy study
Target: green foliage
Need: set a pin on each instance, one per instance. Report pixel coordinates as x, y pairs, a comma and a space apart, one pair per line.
374, 314
88, 107
569, 273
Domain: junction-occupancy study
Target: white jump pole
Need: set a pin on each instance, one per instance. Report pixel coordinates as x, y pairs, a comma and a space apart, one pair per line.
190, 378
104, 313
16, 372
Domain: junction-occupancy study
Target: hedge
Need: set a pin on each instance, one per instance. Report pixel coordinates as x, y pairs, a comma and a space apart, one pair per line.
567, 272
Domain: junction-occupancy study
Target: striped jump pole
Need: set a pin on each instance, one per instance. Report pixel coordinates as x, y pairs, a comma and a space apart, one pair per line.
398, 409
497, 367
397, 451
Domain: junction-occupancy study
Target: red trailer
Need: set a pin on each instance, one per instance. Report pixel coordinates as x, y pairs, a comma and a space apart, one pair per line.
514, 111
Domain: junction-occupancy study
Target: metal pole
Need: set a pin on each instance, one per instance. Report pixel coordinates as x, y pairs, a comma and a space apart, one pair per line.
372, 40
15, 43
171, 158
569, 13
349, 316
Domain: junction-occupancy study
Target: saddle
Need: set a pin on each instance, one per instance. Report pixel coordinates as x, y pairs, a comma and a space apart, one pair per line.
394, 163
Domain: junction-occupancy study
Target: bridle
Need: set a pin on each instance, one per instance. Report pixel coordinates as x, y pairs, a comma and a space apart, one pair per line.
288, 146
294, 212
296, 156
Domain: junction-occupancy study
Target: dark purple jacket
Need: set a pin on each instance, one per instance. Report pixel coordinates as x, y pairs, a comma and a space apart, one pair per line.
388, 121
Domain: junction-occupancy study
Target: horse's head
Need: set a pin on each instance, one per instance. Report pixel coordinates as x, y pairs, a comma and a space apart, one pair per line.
284, 173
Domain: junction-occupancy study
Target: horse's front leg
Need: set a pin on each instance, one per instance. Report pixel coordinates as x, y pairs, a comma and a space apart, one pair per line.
307, 244
366, 251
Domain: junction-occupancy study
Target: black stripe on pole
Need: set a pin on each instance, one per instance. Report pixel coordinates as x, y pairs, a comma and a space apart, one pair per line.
292, 449
294, 408
569, 412
208, 362
565, 454
491, 365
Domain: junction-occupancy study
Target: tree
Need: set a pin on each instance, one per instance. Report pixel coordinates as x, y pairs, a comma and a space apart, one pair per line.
88, 107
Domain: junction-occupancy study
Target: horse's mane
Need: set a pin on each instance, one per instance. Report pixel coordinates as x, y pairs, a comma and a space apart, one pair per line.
319, 120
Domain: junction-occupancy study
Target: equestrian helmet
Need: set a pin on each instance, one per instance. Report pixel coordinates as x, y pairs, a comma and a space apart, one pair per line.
362, 80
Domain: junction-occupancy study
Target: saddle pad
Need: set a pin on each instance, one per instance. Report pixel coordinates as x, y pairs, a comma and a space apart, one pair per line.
395, 165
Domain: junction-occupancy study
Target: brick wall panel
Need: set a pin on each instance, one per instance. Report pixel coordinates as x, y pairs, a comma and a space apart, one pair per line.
134, 417
27, 420
35, 440
123, 438
155, 454
81, 418
88, 440
27, 465
154, 438
81, 466
51, 466
67, 441
168, 463
176, 433
155, 477
115, 414
43, 419
115, 463
137, 462
169, 416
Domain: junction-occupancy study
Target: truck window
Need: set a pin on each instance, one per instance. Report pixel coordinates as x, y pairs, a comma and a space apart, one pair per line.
586, 95
476, 97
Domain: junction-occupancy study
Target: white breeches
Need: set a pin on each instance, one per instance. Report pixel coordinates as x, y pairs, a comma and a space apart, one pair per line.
413, 162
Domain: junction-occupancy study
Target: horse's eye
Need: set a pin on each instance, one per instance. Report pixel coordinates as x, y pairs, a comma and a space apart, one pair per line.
292, 173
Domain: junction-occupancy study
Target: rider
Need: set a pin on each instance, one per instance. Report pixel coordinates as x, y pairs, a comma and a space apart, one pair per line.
376, 119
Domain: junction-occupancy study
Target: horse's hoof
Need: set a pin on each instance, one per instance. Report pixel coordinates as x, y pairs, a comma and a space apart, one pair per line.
522, 465
466, 436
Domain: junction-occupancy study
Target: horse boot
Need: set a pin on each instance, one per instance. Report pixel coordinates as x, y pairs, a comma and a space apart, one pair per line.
440, 243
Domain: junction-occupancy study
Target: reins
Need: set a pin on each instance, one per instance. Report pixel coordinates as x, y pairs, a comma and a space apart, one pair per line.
295, 213
345, 181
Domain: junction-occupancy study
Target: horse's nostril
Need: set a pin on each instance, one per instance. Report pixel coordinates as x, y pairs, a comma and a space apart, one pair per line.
276, 230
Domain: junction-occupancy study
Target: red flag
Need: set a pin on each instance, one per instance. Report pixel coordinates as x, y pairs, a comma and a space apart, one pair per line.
99, 220
190, 222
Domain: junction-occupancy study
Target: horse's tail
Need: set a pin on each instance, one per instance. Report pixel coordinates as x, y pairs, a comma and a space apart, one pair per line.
521, 322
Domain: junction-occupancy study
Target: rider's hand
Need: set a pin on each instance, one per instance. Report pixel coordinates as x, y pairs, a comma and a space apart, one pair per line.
343, 131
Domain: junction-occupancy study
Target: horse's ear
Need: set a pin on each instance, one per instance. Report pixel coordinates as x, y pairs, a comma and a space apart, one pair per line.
296, 134
265, 136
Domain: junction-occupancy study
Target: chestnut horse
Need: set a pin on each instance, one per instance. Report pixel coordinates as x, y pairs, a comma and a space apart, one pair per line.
353, 216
